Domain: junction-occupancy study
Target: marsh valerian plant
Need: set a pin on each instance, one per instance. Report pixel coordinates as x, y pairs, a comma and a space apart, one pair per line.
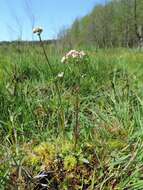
39, 31
77, 58
72, 57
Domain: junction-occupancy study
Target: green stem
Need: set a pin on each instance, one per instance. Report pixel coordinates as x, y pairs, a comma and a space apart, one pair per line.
77, 107
55, 82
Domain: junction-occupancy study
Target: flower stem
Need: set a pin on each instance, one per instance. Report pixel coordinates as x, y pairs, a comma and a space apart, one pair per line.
56, 84
45, 54
77, 107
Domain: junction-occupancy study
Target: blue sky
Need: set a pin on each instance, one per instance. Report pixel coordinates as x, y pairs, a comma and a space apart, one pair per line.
18, 16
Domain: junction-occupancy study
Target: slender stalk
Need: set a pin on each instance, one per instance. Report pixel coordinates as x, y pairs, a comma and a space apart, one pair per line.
77, 107
55, 82
45, 54
15, 81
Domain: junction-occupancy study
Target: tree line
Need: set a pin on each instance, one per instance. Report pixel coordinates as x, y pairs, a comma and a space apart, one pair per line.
118, 23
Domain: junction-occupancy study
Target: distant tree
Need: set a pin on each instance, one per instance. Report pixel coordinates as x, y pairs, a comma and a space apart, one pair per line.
75, 32
138, 25
113, 24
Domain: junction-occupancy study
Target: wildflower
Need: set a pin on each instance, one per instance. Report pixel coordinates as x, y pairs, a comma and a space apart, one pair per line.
74, 55
60, 75
82, 53
63, 59
83, 76
37, 30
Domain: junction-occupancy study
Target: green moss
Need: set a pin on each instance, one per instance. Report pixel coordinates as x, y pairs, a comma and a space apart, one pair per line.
70, 163
116, 144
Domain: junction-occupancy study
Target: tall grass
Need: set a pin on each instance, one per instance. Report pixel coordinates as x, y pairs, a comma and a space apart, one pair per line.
109, 151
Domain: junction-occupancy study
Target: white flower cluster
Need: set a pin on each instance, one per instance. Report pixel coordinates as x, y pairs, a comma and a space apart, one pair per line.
60, 75
74, 55
37, 30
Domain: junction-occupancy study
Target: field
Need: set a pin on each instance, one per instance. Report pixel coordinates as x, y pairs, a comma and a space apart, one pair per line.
57, 133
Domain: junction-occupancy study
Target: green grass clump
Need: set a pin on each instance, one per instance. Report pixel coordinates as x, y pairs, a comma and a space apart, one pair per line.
108, 153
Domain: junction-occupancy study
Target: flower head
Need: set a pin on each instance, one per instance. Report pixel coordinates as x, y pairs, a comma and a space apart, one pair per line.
73, 55
63, 59
60, 75
37, 30
82, 53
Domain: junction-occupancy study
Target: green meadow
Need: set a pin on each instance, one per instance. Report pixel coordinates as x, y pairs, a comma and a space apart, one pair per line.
58, 134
